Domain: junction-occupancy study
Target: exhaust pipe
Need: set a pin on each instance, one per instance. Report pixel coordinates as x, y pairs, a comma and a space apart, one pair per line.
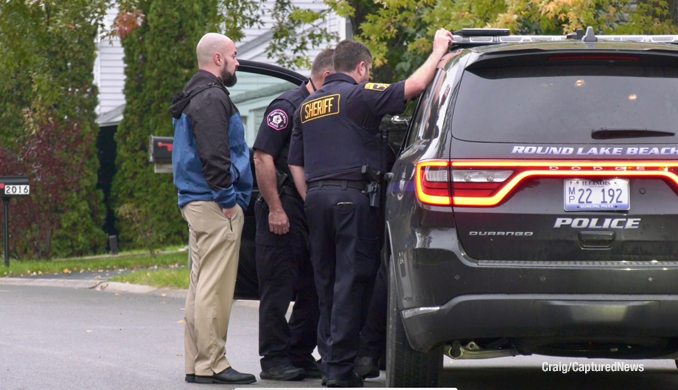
473, 351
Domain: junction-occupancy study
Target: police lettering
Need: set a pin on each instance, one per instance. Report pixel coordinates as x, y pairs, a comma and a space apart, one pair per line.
598, 223
320, 108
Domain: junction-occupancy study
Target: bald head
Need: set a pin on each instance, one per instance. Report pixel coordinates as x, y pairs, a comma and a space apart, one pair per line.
216, 54
210, 44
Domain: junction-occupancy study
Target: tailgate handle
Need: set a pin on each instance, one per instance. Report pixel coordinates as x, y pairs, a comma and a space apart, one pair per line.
596, 240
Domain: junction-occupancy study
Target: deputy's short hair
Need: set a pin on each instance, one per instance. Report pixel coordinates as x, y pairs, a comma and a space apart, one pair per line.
323, 62
348, 54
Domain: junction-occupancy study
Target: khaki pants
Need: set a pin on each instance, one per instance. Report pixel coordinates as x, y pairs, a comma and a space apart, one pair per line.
215, 247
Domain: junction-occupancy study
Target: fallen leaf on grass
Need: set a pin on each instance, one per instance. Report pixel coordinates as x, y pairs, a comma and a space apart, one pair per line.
67, 271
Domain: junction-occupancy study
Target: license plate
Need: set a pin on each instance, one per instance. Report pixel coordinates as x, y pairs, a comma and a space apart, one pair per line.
604, 194
11, 189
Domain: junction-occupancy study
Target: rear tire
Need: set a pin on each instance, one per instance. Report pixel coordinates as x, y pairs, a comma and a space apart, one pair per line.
406, 367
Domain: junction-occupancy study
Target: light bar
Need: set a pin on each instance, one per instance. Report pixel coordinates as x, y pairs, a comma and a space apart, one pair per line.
461, 40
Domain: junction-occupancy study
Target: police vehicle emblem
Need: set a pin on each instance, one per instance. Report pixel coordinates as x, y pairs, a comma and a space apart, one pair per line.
277, 120
379, 87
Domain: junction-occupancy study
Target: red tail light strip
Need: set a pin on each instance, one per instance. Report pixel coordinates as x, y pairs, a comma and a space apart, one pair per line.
506, 189
527, 169
421, 195
591, 164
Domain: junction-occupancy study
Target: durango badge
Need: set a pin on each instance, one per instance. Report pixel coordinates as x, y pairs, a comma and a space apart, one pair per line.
277, 120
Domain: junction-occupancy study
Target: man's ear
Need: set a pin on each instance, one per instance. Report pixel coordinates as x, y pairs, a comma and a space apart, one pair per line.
360, 69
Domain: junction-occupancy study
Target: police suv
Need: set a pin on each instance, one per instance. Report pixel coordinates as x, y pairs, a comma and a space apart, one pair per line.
533, 207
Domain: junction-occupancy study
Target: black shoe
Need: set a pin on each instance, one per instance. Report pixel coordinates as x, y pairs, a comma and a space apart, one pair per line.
228, 376
353, 381
324, 381
190, 378
366, 367
283, 372
312, 370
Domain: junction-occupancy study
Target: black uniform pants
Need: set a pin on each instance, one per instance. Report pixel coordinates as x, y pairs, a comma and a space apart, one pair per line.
283, 268
344, 252
373, 334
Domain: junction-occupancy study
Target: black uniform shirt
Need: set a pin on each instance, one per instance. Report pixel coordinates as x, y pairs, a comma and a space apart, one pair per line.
276, 129
336, 130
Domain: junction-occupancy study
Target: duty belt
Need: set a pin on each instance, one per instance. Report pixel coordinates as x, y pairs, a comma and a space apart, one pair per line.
289, 190
357, 185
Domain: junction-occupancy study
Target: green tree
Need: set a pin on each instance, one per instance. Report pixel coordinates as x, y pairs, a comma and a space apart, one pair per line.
399, 31
159, 38
48, 103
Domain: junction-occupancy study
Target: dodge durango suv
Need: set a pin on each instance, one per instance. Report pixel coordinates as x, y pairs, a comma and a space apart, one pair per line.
533, 206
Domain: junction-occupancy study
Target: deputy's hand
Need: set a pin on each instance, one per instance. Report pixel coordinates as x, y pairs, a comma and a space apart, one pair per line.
229, 213
442, 41
278, 222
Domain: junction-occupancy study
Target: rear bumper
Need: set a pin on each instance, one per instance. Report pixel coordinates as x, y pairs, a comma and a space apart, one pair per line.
539, 316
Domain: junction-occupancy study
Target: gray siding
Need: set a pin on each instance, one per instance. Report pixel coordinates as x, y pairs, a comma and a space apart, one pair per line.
109, 69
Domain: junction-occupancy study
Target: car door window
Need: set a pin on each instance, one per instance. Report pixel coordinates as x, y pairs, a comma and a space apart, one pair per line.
252, 94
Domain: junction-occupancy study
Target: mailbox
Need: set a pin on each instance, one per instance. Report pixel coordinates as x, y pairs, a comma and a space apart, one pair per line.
160, 150
11, 186
14, 186
160, 154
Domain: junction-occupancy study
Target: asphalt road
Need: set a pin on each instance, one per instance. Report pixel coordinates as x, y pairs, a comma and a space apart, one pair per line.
66, 338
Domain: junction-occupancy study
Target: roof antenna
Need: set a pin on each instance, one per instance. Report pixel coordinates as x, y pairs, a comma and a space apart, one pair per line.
590, 35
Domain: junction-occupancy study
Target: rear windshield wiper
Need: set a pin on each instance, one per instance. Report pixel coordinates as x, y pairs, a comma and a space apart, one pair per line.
629, 133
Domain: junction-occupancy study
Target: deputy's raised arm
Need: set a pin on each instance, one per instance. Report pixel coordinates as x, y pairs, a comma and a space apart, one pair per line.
422, 77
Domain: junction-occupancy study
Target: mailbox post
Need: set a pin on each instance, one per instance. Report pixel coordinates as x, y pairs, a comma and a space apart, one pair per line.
9, 188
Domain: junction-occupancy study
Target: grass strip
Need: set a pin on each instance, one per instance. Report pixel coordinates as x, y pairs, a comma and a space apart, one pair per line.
175, 278
37, 268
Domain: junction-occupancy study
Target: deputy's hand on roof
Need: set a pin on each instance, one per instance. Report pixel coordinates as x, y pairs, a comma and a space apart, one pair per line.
442, 41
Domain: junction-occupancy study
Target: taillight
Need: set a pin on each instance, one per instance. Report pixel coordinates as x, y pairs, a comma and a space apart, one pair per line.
476, 183
433, 183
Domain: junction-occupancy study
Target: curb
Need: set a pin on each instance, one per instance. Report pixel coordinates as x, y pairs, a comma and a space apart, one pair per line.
106, 286
99, 285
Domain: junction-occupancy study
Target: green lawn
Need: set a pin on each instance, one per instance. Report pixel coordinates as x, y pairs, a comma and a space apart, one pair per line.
100, 264
175, 278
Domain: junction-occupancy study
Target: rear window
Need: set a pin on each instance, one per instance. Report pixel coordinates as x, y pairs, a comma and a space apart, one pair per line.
565, 103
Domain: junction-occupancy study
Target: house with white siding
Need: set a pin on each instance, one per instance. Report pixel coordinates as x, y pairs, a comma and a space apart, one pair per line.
247, 94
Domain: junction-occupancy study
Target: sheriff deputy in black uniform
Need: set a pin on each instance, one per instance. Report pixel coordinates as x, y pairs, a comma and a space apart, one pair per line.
282, 248
336, 138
